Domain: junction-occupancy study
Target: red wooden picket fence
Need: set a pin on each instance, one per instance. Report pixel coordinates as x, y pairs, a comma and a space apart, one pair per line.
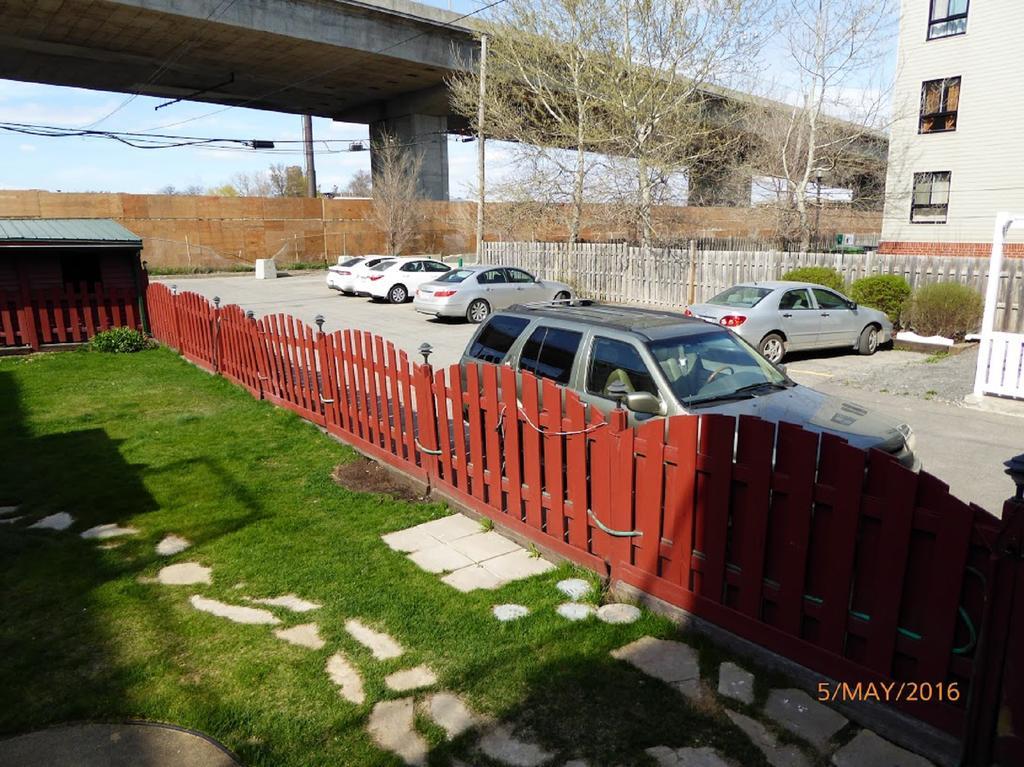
62, 315
843, 561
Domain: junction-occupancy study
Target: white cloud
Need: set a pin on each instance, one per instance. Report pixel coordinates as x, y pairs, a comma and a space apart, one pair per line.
27, 147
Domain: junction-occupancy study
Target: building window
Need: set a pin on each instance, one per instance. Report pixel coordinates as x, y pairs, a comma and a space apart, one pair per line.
939, 101
947, 18
930, 202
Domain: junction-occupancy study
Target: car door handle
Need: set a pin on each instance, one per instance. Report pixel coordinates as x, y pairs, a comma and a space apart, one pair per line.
787, 314
825, 314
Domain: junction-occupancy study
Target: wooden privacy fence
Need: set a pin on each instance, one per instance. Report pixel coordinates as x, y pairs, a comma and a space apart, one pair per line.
61, 315
843, 561
662, 276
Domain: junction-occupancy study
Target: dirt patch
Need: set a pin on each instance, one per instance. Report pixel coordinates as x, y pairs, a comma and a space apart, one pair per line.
366, 476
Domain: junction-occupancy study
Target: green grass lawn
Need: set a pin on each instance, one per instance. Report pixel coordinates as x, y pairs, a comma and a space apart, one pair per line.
147, 440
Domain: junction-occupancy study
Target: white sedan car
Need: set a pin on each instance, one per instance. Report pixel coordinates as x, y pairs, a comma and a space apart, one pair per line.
398, 278
344, 276
474, 292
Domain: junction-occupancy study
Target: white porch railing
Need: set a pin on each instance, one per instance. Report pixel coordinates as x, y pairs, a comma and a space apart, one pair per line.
1001, 355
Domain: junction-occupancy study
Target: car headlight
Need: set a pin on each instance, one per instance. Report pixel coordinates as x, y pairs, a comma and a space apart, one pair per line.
908, 436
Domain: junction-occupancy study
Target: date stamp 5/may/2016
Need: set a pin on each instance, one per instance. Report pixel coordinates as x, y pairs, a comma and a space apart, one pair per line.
889, 692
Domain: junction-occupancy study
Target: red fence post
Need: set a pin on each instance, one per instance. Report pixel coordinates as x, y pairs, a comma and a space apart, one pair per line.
426, 425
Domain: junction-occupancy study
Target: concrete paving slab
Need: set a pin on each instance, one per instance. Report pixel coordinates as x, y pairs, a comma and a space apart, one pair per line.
234, 613
500, 743
574, 588
576, 611
411, 679
440, 558
686, 757
171, 545
674, 663
796, 711
184, 574
450, 528
114, 745
409, 540
505, 613
450, 713
289, 602
516, 565
474, 577
868, 750
380, 644
304, 635
482, 546
102, 532
59, 521
736, 683
618, 613
345, 675
765, 740
392, 727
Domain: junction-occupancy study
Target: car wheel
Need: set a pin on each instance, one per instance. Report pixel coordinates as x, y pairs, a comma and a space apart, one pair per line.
562, 295
868, 343
398, 294
478, 311
772, 348
348, 293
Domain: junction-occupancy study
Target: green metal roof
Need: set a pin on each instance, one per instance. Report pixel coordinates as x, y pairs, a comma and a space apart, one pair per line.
91, 230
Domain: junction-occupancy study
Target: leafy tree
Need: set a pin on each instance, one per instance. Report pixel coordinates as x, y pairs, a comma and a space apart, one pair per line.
287, 181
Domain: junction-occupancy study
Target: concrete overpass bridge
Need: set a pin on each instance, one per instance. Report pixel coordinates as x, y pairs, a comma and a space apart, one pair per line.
378, 62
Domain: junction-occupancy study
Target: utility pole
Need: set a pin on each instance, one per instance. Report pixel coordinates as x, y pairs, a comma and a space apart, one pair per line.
480, 150
307, 140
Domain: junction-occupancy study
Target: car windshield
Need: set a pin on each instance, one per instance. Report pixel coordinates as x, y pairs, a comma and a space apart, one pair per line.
455, 275
742, 296
714, 366
381, 266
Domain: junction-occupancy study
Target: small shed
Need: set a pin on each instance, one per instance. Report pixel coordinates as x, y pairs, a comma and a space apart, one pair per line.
64, 280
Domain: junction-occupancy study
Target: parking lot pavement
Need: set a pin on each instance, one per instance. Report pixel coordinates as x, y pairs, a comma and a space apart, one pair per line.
305, 295
963, 447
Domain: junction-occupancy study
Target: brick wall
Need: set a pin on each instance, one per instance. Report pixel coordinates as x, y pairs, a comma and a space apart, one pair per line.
221, 231
968, 249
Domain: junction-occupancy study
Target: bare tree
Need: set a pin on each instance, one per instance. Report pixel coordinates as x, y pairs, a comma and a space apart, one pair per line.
255, 184
287, 181
360, 185
396, 197
832, 133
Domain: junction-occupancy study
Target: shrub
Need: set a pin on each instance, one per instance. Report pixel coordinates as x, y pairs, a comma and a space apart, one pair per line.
819, 275
120, 341
885, 292
944, 309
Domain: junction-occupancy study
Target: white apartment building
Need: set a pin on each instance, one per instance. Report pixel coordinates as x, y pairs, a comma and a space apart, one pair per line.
956, 149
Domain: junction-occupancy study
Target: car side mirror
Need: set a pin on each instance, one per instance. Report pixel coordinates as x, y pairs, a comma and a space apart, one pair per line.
642, 402
852, 305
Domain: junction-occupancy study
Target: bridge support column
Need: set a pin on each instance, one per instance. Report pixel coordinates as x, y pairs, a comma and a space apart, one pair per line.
426, 134
717, 184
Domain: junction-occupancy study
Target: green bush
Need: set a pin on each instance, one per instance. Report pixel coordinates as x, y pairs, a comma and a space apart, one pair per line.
944, 309
885, 292
819, 275
119, 341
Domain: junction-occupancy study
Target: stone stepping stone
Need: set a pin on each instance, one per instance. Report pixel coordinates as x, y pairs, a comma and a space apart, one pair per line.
59, 521
102, 532
345, 675
473, 577
184, 574
10, 520
510, 612
289, 602
411, 679
235, 613
686, 757
380, 644
574, 588
765, 740
736, 683
171, 545
450, 713
304, 635
575, 611
618, 613
6, 511
797, 712
867, 750
674, 663
501, 744
392, 727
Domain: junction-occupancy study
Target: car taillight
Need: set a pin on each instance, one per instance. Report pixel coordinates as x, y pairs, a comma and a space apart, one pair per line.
344, 271
732, 320
687, 312
376, 277
443, 293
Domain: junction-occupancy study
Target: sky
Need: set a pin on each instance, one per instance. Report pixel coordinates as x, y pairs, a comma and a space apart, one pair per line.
75, 164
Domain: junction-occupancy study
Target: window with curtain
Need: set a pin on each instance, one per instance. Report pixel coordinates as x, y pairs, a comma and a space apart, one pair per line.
939, 102
947, 18
930, 201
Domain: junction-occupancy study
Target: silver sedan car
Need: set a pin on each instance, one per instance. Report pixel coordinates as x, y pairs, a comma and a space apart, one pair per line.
474, 292
780, 317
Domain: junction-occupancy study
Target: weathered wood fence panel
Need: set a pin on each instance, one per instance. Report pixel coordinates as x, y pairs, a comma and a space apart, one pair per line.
843, 561
661, 276
65, 315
